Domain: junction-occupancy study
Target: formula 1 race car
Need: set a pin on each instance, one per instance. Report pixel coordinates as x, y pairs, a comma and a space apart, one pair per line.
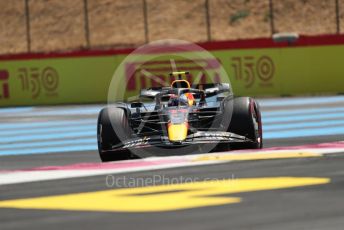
178, 116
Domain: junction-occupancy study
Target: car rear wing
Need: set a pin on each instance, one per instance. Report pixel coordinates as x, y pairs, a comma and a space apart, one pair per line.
208, 88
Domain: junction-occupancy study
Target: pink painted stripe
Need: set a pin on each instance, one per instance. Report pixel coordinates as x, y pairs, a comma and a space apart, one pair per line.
102, 166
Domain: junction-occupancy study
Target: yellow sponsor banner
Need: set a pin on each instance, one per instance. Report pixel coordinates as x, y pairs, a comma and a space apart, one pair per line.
253, 72
56, 80
285, 71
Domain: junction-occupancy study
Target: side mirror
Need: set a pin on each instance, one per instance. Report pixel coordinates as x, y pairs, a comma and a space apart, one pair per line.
212, 90
223, 87
219, 88
150, 93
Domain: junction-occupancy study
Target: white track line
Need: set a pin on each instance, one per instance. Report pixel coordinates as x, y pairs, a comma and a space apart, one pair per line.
95, 169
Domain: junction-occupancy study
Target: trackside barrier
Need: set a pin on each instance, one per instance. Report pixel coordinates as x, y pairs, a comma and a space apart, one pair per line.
258, 67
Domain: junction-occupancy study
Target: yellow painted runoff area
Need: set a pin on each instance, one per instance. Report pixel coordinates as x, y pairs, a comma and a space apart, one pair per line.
257, 156
163, 197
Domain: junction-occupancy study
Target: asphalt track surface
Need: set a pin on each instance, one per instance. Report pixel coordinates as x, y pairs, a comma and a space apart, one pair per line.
318, 205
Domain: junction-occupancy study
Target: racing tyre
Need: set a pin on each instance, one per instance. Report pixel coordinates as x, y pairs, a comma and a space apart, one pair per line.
245, 121
107, 136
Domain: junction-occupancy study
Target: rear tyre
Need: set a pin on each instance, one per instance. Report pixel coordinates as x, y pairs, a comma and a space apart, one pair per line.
108, 137
245, 121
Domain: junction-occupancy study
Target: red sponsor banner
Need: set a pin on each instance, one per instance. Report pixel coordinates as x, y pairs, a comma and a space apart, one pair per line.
138, 72
257, 43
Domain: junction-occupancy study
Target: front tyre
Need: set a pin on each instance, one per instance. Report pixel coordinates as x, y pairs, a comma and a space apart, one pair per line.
108, 119
245, 121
